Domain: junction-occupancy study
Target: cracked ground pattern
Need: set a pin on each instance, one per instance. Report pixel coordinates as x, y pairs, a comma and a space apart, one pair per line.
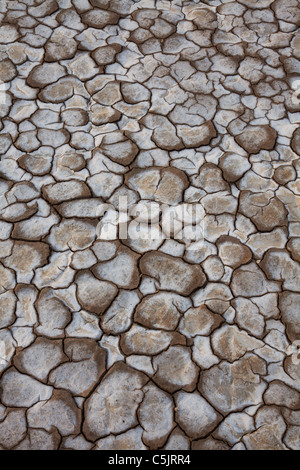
144, 343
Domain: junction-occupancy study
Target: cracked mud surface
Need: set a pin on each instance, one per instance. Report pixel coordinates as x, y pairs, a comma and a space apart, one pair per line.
148, 343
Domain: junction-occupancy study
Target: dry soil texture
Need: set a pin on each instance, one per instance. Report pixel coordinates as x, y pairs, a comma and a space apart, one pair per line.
149, 342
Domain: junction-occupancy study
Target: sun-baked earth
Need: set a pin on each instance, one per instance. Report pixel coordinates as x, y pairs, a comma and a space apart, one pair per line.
148, 343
